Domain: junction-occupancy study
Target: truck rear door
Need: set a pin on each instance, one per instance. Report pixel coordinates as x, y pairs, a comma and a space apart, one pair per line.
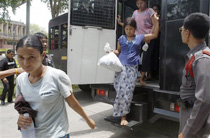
92, 23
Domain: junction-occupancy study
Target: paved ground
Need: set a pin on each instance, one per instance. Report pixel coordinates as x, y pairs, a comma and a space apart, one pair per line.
97, 111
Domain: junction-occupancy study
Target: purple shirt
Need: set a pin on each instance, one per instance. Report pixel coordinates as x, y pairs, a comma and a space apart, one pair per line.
130, 51
143, 21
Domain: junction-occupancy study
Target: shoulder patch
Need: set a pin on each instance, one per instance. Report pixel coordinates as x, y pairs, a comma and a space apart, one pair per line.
196, 56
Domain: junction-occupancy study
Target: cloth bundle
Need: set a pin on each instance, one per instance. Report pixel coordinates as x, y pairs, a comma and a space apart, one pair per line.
110, 60
23, 107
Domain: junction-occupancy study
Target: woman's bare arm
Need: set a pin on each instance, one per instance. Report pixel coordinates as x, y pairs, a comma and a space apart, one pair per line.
10, 72
74, 104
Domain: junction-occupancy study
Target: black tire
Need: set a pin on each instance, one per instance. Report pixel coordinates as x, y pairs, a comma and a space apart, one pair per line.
85, 88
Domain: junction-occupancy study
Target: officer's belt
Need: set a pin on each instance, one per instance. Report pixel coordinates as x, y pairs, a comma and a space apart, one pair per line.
184, 103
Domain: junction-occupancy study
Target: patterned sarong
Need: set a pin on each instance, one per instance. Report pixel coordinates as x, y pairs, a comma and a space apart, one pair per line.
124, 85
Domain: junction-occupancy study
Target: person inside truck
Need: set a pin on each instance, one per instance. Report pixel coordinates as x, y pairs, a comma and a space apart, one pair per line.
144, 18
48, 60
54, 43
45, 89
154, 72
195, 89
128, 50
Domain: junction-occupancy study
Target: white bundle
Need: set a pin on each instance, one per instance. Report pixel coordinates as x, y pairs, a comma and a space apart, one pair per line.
107, 47
145, 47
110, 60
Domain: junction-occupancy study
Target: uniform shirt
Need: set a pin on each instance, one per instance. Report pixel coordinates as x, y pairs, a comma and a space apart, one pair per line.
48, 61
198, 90
6, 64
47, 97
143, 21
130, 51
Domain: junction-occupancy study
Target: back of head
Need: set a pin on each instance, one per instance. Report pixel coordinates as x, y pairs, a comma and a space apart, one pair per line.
40, 35
197, 24
30, 41
156, 8
130, 21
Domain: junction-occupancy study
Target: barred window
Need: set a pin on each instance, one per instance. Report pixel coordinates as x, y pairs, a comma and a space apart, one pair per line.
100, 13
179, 9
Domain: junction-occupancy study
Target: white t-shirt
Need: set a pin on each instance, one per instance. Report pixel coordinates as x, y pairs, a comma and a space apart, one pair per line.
47, 97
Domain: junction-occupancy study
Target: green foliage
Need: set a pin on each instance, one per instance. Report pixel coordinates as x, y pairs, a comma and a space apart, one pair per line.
34, 28
56, 6
75, 87
5, 4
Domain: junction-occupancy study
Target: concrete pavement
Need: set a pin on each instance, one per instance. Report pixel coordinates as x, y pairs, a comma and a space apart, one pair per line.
8, 121
97, 111
78, 127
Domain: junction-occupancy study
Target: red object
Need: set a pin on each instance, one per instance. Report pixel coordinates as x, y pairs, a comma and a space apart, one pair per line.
101, 92
188, 67
176, 108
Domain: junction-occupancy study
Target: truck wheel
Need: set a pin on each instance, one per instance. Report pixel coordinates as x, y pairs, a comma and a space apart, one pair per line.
85, 88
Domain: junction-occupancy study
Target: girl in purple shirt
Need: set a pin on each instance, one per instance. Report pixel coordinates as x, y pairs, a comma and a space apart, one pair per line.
128, 48
144, 18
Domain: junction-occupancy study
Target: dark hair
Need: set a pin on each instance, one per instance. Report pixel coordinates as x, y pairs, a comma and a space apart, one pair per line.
30, 41
130, 21
156, 5
10, 51
197, 24
40, 35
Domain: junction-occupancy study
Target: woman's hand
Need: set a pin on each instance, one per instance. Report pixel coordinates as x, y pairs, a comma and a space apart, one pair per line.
91, 123
181, 135
118, 19
74, 104
5, 80
24, 121
156, 18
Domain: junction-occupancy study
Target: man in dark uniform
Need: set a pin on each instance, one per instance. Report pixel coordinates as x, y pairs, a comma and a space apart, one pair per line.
48, 61
8, 82
195, 89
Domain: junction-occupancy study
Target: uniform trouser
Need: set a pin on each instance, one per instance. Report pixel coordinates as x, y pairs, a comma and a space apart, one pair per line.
146, 61
8, 87
184, 115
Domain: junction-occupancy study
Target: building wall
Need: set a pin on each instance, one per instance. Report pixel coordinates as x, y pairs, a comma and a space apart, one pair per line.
10, 33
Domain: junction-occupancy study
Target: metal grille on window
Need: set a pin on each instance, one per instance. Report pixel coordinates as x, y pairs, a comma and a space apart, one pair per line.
179, 9
98, 13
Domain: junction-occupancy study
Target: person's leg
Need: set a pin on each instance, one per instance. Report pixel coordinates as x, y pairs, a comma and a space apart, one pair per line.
124, 85
150, 60
142, 82
155, 59
5, 90
146, 62
11, 89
